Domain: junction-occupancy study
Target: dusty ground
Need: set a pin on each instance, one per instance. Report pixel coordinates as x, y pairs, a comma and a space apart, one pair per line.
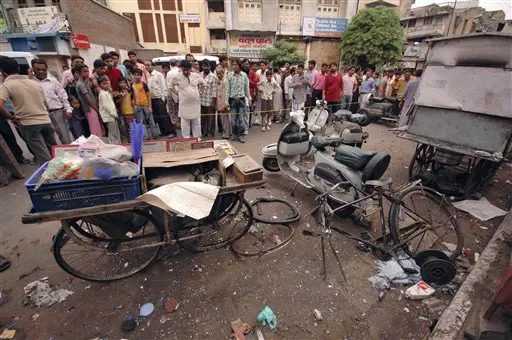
227, 287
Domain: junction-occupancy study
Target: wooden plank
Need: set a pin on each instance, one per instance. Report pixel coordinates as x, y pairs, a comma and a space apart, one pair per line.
172, 159
245, 163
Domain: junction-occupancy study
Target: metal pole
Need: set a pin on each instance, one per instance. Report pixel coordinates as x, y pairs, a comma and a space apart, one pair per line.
451, 19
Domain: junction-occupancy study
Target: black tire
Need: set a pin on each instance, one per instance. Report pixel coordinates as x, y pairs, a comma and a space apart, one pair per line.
367, 117
420, 161
376, 167
270, 164
214, 227
403, 221
117, 249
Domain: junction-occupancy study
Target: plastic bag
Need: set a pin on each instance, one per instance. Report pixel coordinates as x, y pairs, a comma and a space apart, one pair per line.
268, 318
117, 153
105, 169
61, 168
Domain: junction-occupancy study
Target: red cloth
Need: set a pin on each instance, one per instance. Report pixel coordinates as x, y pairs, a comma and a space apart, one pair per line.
333, 87
113, 75
254, 79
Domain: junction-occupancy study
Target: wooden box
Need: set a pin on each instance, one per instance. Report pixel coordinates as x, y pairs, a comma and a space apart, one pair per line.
246, 169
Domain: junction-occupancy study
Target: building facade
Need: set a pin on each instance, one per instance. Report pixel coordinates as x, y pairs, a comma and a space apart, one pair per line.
56, 29
174, 26
435, 21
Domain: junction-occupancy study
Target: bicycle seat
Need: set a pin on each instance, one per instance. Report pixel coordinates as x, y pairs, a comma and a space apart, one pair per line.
322, 142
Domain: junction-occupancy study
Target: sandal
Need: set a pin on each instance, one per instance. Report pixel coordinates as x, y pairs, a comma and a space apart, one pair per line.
4, 263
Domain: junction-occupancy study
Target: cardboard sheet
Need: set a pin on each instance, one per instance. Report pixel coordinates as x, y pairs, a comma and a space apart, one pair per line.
179, 158
192, 199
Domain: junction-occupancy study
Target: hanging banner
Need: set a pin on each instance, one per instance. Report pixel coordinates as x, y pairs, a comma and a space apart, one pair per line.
248, 46
79, 41
324, 27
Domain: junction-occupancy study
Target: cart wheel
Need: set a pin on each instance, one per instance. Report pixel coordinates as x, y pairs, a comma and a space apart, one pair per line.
422, 219
230, 219
420, 161
482, 172
83, 247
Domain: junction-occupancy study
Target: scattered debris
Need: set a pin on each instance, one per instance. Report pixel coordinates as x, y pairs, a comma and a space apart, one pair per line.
34, 270
239, 329
163, 319
391, 272
11, 325
434, 305
35, 317
419, 291
4, 298
381, 296
483, 228
259, 334
406, 310
40, 293
147, 309
171, 305
318, 315
481, 209
88, 286
268, 318
450, 246
128, 325
477, 257
8, 334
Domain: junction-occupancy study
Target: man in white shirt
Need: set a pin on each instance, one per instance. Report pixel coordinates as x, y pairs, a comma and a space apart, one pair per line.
172, 98
288, 93
158, 90
349, 86
56, 98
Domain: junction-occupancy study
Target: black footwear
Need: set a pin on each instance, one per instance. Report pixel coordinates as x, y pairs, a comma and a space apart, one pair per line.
241, 139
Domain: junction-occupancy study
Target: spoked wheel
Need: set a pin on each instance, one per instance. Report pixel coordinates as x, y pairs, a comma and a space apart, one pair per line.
96, 249
424, 221
229, 220
421, 160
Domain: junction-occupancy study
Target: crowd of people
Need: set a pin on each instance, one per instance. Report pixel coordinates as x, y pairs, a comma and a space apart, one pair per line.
191, 96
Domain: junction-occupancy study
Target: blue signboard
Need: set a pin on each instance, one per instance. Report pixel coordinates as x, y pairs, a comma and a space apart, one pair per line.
324, 27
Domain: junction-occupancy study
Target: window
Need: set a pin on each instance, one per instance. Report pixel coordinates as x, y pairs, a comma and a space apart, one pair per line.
55, 2
22, 4
327, 8
216, 6
218, 34
290, 11
39, 3
412, 23
249, 11
427, 21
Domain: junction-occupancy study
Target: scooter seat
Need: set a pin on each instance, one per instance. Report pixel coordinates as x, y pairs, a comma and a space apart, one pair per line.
354, 158
322, 142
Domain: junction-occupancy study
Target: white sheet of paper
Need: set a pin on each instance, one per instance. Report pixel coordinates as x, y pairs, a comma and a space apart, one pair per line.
194, 199
481, 209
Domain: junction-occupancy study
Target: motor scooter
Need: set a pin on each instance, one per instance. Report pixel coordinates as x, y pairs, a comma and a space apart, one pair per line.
386, 108
334, 162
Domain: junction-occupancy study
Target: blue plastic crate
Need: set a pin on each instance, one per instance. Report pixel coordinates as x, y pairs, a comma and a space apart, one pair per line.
79, 193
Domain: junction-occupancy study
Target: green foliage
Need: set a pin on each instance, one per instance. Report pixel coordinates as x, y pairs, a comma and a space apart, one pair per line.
282, 52
374, 37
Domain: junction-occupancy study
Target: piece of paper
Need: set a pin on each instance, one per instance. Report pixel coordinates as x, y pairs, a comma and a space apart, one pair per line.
227, 162
481, 209
194, 199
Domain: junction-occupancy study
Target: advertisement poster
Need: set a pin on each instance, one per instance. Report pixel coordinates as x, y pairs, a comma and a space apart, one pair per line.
35, 16
248, 46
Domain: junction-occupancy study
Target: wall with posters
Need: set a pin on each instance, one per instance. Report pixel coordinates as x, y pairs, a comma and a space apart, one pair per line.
241, 45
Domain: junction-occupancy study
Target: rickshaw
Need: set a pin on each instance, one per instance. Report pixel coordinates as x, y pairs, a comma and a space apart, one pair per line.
462, 114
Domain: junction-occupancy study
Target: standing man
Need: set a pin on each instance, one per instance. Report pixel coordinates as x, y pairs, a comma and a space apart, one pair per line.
30, 110
311, 72
56, 98
288, 93
158, 90
172, 98
333, 88
133, 59
208, 100
222, 107
318, 84
388, 91
188, 86
268, 86
237, 97
399, 85
366, 89
67, 76
349, 87
112, 72
88, 101
410, 91
300, 83
223, 64
120, 67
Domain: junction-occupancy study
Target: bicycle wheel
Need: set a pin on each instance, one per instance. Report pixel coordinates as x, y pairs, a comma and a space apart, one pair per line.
423, 220
230, 219
106, 257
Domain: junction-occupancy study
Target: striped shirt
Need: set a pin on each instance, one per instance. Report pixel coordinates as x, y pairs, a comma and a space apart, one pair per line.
238, 86
210, 88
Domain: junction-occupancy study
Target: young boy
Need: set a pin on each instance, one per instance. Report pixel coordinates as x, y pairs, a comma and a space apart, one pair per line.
125, 101
267, 88
142, 99
99, 71
88, 101
108, 111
